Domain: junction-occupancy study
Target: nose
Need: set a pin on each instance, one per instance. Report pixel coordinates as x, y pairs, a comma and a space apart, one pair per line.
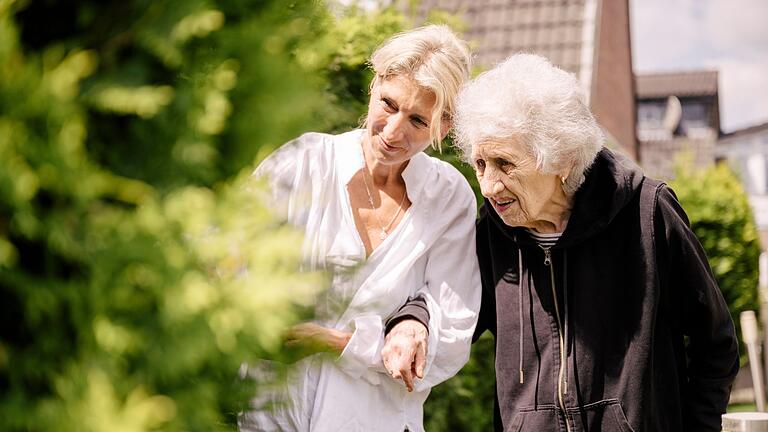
393, 130
490, 183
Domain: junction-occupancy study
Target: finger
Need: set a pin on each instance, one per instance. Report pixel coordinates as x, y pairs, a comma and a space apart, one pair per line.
388, 358
397, 369
392, 369
408, 379
387, 364
420, 361
396, 374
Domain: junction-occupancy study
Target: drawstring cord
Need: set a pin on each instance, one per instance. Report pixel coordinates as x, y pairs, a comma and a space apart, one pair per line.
565, 302
520, 308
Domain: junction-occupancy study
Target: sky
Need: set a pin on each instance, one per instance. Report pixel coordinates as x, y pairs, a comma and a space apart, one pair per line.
730, 36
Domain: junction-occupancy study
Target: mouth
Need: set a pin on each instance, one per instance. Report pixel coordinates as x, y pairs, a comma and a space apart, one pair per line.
503, 204
385, 145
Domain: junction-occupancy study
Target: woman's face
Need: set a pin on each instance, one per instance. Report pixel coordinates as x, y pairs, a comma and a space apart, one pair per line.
517, 190
399, 116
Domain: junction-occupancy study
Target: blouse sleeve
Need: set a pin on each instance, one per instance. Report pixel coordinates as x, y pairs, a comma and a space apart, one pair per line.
452, 293
289, 172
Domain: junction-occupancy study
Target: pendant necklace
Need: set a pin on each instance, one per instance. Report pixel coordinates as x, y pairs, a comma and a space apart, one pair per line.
382, 229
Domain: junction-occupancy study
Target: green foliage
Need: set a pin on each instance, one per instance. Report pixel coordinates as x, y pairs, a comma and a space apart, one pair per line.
340, 56
720, 216
127, 217
465, 402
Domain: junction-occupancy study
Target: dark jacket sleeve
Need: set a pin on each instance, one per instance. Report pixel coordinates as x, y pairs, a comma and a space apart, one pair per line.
414, 308
712, 351
486, 319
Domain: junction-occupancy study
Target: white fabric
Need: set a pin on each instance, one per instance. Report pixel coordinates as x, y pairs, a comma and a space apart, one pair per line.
430, 252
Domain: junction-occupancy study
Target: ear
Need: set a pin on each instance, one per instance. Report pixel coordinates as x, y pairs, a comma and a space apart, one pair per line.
445, 126
566, 172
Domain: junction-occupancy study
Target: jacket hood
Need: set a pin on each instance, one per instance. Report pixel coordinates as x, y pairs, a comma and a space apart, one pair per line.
610, 184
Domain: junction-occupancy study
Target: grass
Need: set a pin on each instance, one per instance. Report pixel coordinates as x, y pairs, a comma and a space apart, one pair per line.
742, 407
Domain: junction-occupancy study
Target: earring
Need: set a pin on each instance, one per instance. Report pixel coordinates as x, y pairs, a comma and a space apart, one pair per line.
562, 181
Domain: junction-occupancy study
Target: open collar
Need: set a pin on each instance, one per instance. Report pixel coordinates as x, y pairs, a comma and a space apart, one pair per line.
349, 160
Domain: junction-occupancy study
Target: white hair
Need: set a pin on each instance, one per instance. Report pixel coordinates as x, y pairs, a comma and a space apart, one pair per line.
435, 59
529, 101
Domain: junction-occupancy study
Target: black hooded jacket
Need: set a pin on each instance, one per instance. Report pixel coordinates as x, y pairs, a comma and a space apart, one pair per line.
625, 297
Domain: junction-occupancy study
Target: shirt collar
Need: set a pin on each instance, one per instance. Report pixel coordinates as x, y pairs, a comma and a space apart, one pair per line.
349, 160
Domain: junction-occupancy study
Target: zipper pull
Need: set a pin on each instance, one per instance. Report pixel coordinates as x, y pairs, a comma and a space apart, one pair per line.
547, 257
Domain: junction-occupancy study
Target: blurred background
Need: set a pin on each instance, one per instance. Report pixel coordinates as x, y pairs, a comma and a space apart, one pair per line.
138, 268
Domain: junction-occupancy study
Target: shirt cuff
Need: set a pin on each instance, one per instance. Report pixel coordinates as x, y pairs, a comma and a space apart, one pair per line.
363, 351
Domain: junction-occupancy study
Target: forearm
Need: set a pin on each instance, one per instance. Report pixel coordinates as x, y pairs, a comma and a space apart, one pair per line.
314, 338
337, 340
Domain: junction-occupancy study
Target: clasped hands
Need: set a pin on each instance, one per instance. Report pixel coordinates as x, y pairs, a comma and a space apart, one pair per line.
404, 354
405, 351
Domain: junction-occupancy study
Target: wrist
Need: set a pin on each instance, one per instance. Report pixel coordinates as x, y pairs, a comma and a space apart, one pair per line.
339, 340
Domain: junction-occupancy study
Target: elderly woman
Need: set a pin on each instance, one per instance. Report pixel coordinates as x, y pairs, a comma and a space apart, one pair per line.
605, 312
390, 224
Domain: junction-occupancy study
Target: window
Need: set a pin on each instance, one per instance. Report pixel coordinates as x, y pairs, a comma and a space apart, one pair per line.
695, 118
650, 115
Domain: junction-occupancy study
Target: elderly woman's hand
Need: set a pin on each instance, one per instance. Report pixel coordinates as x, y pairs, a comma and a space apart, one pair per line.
312, 338
405, 351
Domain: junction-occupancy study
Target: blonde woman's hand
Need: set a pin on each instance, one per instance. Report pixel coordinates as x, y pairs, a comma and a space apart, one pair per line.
312, 338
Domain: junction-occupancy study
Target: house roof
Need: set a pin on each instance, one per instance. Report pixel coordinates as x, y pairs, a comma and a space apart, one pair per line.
755, 129
681, 84
561, 30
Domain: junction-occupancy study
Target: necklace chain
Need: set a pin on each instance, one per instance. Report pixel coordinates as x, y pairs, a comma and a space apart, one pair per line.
382, 229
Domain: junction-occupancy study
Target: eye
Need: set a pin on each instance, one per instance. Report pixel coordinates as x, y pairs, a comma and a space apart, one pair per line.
504, 163
388, 105
419, 122
479, 165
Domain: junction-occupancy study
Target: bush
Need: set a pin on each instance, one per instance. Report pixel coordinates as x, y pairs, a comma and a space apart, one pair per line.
720, 216
127, 133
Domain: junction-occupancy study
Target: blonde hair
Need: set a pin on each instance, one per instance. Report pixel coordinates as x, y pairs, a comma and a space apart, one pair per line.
435, 59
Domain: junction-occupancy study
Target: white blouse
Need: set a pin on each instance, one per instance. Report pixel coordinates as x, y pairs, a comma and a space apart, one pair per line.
431, 252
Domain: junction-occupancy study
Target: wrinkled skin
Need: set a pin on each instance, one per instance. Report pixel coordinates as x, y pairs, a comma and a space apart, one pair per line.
405, 351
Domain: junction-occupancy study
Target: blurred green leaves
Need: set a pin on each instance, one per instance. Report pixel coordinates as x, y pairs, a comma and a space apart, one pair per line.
138, 265
722, 219
465, 402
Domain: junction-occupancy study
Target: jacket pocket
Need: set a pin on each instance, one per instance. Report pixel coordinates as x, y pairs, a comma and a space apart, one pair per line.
542, 419
604, 416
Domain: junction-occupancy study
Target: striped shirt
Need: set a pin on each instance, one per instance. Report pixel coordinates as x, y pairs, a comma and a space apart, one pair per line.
545, 240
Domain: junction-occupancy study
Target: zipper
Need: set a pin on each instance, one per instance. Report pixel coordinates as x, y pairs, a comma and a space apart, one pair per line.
562, 379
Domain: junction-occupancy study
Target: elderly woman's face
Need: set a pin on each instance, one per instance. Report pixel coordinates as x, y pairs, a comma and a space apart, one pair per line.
399, 115
508, 177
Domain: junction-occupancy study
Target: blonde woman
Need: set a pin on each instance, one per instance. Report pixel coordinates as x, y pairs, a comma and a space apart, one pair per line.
391, 224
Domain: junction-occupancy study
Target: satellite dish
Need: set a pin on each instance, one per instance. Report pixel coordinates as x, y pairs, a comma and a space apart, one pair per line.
672, 114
